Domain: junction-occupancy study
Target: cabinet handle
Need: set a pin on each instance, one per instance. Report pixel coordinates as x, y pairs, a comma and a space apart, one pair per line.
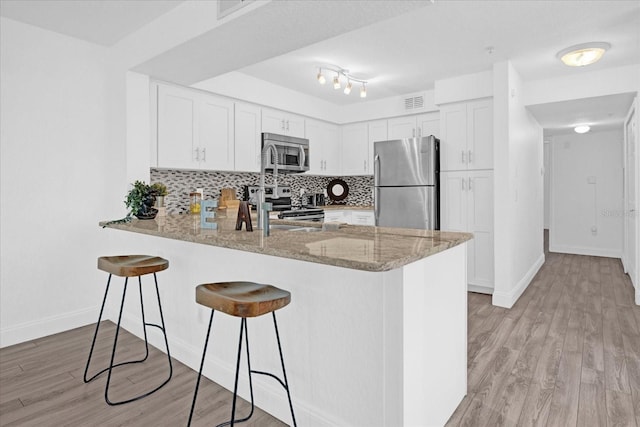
287, 125
197, 150
469, 156
414, 132
463, 158
470, 188
365, 166
204, 154
282, 124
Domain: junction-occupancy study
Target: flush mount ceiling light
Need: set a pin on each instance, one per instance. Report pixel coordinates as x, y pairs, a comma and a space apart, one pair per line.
583, 54
582, 128
341, 72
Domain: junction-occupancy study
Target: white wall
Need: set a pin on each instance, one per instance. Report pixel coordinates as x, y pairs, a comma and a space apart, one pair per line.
518, 180
55, 161
586, 192
547, 182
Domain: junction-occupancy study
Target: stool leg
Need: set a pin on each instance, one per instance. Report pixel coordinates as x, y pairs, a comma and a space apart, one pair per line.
164, 330
115, 343
95, 335
284, 372
204, 353
144, 322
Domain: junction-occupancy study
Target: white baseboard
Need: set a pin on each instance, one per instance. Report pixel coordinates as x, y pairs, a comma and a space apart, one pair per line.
507, 299
480, 289
47, 326
579, 250
268, 394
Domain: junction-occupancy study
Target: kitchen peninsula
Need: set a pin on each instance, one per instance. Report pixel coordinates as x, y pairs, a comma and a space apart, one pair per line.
376, 331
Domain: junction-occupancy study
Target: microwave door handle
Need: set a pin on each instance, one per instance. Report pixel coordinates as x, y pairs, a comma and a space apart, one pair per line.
302, 156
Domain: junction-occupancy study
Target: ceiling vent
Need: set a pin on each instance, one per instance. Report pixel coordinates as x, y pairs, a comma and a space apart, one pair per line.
414, 102
227, 7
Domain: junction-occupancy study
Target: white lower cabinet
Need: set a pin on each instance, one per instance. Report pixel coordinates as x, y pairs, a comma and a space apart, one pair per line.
353, 217
467, 205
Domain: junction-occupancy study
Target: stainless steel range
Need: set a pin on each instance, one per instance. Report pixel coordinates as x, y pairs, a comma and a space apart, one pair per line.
280, 203
303, 214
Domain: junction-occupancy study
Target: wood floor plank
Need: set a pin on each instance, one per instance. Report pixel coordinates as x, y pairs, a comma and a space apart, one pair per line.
592, 408
619, 409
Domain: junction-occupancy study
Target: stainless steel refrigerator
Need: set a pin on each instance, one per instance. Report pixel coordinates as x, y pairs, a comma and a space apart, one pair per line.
407, 183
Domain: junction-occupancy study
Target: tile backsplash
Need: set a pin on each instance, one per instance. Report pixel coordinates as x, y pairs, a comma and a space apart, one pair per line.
182, 182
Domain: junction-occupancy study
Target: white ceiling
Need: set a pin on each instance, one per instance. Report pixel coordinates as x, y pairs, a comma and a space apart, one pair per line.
401, 47
97, 21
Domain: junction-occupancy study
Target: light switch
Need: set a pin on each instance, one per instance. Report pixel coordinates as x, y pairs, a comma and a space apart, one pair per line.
591, 180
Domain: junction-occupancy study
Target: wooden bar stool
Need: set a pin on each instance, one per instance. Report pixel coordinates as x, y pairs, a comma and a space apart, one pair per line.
130, 266
243, 299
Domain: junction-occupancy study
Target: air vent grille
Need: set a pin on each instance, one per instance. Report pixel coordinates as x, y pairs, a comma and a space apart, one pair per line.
414, 102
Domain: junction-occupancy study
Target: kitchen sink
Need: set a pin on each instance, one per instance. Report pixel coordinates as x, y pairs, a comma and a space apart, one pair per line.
286, 227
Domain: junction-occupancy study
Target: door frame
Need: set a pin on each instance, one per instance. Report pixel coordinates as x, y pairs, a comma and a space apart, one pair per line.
631, 267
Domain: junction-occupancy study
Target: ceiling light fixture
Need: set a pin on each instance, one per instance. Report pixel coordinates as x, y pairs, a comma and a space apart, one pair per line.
582, 128
341, 72
347, 88
583, 54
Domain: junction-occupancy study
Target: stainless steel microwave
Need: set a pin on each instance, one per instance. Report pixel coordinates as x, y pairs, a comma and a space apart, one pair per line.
292, 153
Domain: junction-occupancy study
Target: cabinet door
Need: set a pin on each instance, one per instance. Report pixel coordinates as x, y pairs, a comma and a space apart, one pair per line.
334, 216
429, 124
316, 137
294, 126
273, 121
480, 134
355, 149
480, 223
363, 218
247, 137
377, 132
453, 141
402, 127
453, 201
215, 133
176, 125
331, 150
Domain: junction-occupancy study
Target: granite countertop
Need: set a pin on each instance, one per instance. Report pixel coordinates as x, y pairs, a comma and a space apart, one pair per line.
355, 247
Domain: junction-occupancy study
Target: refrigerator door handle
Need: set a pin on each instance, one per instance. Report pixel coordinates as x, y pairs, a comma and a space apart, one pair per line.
376, 205
376, 169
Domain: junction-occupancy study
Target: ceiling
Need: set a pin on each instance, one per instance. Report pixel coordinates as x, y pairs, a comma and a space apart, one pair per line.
400, 47
96, 21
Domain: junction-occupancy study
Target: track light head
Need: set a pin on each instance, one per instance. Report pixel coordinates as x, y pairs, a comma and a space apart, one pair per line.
321, 78
363, 91
336, 82
347, 88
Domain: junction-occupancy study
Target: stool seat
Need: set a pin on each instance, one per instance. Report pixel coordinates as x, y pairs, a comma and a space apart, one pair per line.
132, 265
242, 299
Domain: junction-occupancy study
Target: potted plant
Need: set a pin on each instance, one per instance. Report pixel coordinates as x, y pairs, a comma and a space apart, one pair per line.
159, 190
140, 200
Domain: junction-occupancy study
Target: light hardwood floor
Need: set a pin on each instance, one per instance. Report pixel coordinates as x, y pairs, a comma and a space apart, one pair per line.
566, 354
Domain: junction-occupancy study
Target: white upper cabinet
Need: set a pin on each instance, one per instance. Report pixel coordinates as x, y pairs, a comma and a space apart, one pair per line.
248, 140
195, 130
282, 123
414, 126
324, 148
377, 132
467, 135
355, 149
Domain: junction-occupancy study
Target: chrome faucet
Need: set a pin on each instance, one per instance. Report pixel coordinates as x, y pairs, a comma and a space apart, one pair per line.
263, 209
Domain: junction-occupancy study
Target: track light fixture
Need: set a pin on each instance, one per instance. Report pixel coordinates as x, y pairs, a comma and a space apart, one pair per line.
321, 78
336, 80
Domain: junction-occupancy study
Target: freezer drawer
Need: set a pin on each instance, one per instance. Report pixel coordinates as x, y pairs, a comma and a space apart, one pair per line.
407, 207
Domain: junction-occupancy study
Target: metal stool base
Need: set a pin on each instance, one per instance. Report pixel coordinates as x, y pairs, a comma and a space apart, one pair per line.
243, 331
111, 366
